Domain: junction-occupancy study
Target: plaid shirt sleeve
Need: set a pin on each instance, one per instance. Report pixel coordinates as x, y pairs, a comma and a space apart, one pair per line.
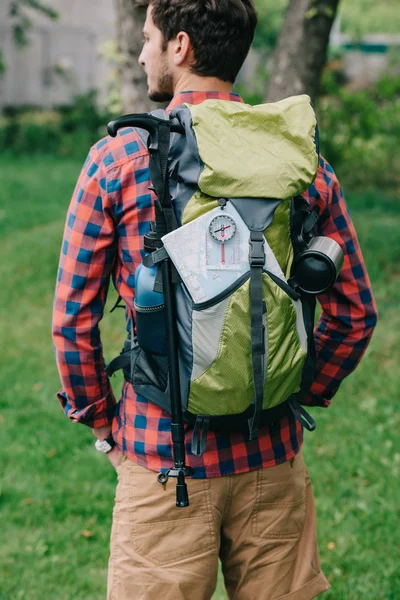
87, 258
349, 312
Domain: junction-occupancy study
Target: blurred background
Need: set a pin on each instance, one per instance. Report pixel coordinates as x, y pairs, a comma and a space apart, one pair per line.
66, 68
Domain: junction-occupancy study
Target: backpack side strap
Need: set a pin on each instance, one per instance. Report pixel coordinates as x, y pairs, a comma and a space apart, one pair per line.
199, 438
301, 415
122, 361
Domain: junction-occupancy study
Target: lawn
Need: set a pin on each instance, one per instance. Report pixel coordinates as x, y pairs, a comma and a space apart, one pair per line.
57, 491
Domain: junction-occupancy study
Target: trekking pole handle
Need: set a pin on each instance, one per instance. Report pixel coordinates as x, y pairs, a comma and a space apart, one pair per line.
144, 121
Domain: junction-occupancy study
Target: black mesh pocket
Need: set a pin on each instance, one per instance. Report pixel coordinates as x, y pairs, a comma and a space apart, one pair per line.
151, 333
148, 369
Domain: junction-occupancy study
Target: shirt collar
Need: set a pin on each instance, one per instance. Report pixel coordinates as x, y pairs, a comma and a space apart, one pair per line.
198, 97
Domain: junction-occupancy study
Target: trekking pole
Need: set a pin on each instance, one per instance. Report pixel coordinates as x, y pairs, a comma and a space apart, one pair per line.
180, 470
152, 124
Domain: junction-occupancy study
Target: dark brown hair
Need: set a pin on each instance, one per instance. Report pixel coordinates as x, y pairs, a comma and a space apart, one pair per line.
221, 32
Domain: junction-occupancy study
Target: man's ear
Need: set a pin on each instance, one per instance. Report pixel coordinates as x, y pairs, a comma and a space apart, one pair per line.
183, 49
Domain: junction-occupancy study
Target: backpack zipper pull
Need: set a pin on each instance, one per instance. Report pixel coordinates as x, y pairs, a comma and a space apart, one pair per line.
163, 478
222, 203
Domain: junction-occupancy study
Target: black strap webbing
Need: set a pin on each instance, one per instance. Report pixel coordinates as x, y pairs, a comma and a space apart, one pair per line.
165, 214
117, 304
200, 431
125, 357
155, 257
302, 223
257, 261
301, 415
309, 304
120, 362
311, 220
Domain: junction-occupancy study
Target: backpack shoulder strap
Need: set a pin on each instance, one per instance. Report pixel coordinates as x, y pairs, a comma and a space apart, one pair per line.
302, 222
311, 220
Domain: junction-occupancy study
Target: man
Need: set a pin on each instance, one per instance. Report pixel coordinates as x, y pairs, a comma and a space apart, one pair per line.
251, 502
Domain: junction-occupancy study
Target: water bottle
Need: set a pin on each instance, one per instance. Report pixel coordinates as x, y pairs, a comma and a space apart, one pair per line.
149, 305
316, 269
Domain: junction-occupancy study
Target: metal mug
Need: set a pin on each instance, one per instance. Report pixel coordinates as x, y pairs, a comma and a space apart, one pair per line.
316, 269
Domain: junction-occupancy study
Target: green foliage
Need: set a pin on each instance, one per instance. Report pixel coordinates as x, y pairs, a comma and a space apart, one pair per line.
110, 53
2, 64
270, 18
360, 131
69, 130
388, 88
362, 17
358, 18
57, 492
21, 22
311, 13
321, 9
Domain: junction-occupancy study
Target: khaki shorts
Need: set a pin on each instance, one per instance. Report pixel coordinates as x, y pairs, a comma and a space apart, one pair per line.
260, 524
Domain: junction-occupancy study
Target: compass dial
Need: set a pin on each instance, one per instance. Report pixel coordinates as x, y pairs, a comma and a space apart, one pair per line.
222, 228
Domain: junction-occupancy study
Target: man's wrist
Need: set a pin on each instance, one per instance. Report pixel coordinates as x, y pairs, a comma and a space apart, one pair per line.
101, 433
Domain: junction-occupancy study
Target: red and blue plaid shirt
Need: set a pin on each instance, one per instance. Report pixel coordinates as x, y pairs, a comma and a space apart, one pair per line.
110, 212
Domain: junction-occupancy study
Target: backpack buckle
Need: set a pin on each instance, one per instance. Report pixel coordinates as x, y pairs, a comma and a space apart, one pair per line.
256, 254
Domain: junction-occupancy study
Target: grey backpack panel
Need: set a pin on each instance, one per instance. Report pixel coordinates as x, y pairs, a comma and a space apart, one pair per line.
184, 163
257, 213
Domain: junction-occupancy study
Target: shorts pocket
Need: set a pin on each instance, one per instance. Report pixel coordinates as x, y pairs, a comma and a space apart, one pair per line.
120, 461
280, 506
161, 532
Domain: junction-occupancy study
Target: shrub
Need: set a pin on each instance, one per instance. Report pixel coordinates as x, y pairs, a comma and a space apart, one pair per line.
67, 130
360, 132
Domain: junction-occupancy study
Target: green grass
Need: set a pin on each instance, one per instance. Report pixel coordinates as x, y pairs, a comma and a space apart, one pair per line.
55, 487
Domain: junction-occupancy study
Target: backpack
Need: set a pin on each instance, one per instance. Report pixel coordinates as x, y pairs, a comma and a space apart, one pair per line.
225, 297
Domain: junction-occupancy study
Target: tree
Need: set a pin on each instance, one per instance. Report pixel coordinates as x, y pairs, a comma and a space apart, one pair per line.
131, 15
301, 53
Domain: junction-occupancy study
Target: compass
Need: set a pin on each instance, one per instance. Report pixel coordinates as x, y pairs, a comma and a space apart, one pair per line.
222, 228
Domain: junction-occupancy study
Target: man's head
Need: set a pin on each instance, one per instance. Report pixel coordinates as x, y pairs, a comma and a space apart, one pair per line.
195, 38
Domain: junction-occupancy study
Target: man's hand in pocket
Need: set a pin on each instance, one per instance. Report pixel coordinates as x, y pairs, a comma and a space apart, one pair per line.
101, 433
113, 456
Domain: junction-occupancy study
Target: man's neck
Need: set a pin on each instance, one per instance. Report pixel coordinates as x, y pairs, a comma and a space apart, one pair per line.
194, 83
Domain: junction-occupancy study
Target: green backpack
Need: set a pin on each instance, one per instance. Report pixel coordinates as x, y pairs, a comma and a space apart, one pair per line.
231, 226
